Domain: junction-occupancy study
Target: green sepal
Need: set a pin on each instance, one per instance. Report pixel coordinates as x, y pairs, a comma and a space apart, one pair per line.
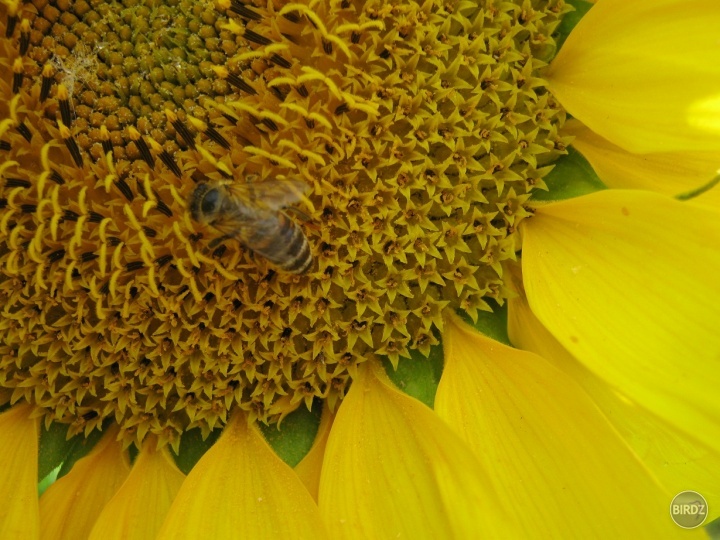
291, 441
48, 481
418, 376
570, 20
713, 529
81, 447
54, 448
193, 447
294, 436
571, 177
492, 324
690, 195
133, 453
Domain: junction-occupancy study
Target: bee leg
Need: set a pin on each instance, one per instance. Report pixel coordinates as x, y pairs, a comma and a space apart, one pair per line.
216, 241
307, 220
298, 213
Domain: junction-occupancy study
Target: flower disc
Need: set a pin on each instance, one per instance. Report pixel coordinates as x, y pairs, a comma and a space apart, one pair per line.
420, 129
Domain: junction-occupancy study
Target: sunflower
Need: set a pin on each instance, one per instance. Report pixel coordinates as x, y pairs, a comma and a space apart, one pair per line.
488, 342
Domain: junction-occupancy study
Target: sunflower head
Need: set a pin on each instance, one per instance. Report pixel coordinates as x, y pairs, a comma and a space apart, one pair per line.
419, 130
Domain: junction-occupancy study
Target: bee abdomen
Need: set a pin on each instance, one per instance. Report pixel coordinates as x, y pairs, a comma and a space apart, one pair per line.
289, 250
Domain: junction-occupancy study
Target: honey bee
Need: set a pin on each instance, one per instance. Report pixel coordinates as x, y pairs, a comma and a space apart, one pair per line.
252, 214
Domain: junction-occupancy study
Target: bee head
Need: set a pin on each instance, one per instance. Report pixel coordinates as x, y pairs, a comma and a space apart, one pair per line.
204, 202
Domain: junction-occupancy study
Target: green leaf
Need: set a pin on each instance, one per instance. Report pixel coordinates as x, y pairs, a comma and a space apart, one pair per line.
571, 177
570, 20
193, 447
293, 438
418, 376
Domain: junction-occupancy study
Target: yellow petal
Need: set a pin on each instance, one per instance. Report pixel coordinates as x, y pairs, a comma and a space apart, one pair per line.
70, 506
138, 509
636, 72
705, 114
19, 514
671, 173
241, 489
554, 457
393, 469
310, 466
627, 281
675, 460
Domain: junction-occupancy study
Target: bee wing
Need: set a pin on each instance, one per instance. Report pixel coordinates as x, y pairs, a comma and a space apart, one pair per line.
270, 195
244, 226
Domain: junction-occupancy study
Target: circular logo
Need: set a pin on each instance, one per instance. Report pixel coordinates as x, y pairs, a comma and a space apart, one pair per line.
688, 509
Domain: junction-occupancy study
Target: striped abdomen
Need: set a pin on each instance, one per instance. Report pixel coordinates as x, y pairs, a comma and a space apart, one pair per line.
284, 245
